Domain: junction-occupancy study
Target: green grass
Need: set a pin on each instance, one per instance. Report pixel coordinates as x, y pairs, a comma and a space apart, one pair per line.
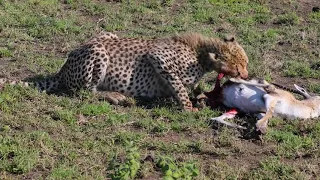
5, 53
288, 19
274, 168
300, 69
46, 136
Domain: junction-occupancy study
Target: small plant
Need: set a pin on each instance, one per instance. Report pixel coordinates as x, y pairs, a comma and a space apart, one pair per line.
160, 127
295, 68
68, 1
5, 53
288, 19
65, 116
167, 2
314, 17
173, 171
290, 144
123, 137
276, 166
95, 109
16, 158
129, 168
225, 139
313, 87
64, 172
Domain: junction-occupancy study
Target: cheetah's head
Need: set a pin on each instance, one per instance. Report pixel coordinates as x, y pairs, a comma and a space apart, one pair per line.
230, 59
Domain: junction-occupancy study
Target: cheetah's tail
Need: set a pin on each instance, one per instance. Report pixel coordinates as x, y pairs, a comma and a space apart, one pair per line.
48, 84
6, 81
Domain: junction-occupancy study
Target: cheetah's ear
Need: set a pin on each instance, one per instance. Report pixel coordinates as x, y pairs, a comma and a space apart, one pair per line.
229, 38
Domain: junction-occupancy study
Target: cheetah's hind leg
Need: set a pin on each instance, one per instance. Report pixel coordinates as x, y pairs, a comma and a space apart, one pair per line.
98, 73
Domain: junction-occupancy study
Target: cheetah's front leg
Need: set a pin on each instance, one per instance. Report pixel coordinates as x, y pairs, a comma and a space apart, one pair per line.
172, 80
178, 89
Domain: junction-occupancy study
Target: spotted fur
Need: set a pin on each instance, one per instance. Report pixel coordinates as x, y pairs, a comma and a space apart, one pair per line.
152, 68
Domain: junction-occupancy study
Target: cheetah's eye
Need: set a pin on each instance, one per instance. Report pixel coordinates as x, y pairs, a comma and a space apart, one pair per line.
220, 56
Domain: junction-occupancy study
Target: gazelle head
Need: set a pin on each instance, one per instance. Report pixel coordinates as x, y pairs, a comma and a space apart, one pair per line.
302, 91
306, 95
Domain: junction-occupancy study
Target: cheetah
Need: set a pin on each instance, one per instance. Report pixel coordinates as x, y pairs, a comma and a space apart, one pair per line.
160, 67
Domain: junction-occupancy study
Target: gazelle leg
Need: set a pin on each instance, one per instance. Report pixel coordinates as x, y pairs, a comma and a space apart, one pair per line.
228, 115
262, 123
260, 115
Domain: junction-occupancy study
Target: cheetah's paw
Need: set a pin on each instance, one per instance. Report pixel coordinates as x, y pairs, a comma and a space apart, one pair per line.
117, 98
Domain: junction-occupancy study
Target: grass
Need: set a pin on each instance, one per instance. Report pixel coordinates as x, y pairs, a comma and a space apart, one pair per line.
46, 136
300, 69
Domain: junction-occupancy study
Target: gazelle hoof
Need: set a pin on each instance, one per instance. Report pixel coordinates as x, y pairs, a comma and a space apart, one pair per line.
261, 127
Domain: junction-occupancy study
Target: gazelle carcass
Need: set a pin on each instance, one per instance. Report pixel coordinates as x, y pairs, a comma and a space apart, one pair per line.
264, 100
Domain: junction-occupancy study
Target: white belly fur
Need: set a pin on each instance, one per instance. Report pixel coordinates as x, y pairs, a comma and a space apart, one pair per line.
246, 98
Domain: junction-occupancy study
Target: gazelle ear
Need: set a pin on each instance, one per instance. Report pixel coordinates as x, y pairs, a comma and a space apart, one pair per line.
302, 91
